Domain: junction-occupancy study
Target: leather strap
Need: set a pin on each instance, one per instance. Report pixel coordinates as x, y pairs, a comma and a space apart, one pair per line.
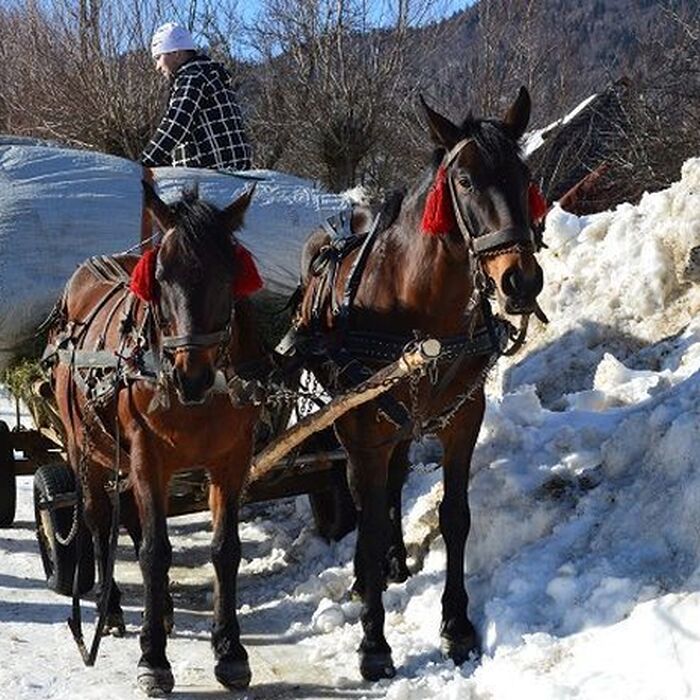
176, 342
505, 236
352, 281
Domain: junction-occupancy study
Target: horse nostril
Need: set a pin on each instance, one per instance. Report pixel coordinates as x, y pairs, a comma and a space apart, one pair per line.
193, 387
512, 282
177, 378
207, 377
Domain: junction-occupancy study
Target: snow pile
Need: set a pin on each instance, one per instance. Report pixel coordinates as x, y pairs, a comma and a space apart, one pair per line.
583, 560
614, 282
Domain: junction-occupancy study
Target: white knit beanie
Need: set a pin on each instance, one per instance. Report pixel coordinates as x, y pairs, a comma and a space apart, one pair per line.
171, 37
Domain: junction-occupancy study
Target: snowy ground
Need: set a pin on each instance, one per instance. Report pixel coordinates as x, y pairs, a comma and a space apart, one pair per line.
584, 564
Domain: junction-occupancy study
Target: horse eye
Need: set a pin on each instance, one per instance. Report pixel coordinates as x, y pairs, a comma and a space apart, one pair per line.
465, 181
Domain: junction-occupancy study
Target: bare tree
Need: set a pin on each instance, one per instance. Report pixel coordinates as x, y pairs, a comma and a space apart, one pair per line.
333, 88
330, 86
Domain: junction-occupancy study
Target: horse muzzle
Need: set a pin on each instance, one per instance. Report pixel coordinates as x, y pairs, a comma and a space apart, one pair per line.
193, 360
193, 386
519, 290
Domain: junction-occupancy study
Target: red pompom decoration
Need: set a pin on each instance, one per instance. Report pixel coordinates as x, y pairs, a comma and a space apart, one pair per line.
438, 215
143, 277
246, 279
536, 203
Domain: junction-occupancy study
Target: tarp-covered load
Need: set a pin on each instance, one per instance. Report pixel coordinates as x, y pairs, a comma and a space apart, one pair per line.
59, 206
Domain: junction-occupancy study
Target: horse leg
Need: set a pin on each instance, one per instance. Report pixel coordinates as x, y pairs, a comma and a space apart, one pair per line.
232, 668
459, 638
368, 481
98, 517
397, 571
153, 674
130, 519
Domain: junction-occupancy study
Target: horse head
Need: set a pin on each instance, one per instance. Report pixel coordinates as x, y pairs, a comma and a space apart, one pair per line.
485, 186
194, 273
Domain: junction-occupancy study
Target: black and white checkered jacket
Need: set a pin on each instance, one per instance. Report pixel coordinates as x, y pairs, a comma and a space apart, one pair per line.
202, 127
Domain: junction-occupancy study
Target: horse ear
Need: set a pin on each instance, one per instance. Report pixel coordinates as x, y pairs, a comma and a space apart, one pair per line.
442, 130
233, 214
517, 115
158, 209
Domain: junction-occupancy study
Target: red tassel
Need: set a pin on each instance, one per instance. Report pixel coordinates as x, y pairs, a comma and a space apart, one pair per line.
438, 215
536, 203
143, 276
247, 279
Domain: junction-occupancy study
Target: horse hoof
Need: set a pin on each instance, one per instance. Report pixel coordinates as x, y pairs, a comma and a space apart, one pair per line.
155, 682
233, 673
376, 665
114, 625
460, 650
398, 571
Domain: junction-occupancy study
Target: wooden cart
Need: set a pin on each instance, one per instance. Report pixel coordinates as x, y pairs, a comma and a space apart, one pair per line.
317, 467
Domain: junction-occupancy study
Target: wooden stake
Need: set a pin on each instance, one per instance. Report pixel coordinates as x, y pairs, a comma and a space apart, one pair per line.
377, 384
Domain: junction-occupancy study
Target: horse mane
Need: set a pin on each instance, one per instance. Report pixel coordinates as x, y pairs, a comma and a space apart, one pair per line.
199, 231
492, 138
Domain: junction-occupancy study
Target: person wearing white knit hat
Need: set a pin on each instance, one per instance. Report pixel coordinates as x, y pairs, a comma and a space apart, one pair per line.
203, 125
171, 46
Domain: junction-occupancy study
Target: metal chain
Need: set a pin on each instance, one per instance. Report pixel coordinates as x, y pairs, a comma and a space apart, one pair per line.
270, 394
65, 541
82, 474
414, 394
443, 419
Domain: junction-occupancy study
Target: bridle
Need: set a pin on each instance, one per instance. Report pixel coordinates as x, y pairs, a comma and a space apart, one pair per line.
485, 244
490, 244
170, 345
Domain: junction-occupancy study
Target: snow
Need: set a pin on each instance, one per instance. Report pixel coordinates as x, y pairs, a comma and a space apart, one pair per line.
534, 139
583, 559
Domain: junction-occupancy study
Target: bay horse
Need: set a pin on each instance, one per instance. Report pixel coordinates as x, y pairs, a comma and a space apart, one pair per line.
461, 235
136, 353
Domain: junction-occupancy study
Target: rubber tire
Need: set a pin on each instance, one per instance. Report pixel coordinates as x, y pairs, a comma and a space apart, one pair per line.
8, 479
59, 560
333, 509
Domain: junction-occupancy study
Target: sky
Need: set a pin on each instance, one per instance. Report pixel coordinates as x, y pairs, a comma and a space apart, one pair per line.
439, 8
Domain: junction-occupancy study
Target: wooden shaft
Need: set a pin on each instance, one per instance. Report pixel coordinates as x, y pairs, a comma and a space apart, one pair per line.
146, 221
377, 384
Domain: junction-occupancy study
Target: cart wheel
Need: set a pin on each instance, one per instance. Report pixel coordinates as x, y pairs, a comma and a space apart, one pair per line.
333, 508
51, 482
8, 481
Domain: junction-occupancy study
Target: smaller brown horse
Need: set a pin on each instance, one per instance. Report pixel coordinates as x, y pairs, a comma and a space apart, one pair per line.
135, 381
463, 233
